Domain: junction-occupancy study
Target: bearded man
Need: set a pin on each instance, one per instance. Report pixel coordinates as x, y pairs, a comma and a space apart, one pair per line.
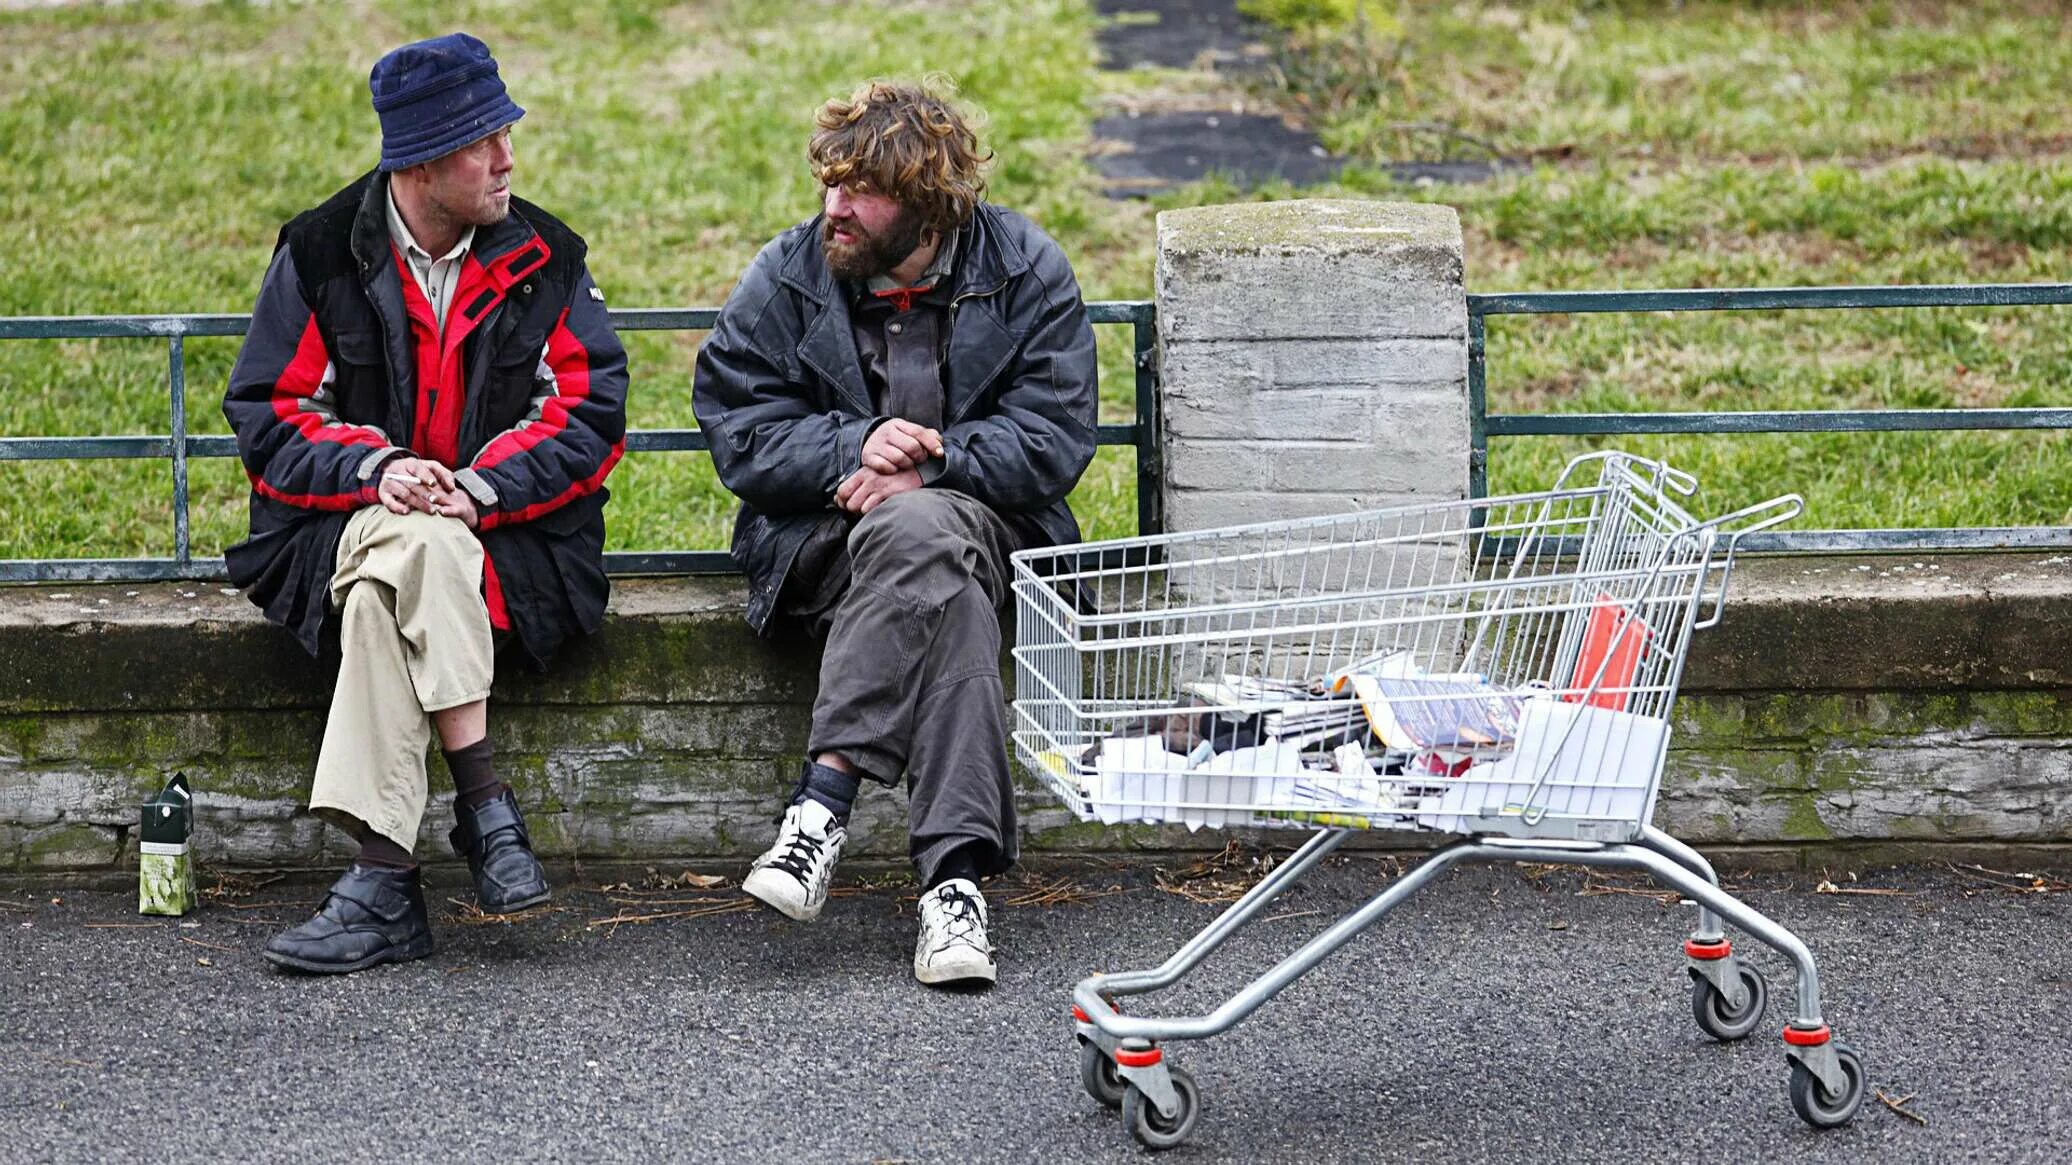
427, 404
901, 391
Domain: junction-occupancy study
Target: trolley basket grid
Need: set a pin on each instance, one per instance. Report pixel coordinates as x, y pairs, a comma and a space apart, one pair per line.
1501, 668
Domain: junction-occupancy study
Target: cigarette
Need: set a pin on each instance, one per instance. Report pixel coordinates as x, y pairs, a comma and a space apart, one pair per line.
412, 478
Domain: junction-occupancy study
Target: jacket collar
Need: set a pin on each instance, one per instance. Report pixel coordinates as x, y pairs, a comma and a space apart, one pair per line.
984, 263
509, 250
828, 345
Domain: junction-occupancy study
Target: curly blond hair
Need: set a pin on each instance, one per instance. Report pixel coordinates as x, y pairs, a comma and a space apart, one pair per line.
907, 142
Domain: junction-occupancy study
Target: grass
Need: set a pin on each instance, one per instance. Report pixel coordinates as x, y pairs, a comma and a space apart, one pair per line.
1755, 144
148, 152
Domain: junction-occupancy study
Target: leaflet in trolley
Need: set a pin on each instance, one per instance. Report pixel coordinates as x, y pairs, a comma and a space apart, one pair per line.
1502, 668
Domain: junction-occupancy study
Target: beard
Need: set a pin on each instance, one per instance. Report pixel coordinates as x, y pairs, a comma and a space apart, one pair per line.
871, 254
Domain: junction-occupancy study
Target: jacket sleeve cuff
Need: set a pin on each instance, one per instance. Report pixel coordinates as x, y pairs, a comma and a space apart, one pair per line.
849, 447
372, 463
478, 488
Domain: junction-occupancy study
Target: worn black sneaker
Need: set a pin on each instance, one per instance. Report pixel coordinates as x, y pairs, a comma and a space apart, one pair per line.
372, 915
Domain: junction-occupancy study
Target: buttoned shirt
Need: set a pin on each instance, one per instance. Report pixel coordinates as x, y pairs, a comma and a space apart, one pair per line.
435, 277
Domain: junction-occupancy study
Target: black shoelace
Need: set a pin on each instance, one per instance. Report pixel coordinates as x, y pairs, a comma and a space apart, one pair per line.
961, 916
799, 857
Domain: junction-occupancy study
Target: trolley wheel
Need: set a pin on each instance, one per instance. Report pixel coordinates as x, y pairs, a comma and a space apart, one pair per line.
1718, 1020
1157, 1132
1819, 1107
1098, 1074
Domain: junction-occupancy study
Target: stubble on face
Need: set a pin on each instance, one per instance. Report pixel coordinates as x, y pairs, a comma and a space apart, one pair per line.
871, 254
465, 188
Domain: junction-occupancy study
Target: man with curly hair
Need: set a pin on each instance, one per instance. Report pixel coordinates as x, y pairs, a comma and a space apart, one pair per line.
901, 391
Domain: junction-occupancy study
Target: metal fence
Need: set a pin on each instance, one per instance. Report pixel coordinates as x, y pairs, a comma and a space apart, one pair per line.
1483, 425
180, 446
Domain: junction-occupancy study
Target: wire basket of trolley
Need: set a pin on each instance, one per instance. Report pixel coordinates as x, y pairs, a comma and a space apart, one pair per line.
1501, 668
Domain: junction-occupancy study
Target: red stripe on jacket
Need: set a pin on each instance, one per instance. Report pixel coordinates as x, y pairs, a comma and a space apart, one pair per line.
579, 489
570, 363
299, 381
364, 496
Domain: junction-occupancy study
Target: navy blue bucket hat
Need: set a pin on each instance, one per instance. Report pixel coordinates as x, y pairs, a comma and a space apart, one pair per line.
435, 96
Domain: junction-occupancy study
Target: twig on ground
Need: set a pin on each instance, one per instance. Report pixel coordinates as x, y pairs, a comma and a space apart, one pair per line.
257, 905
733, 906
658, 883
469, 914
1034, 890
122, 925
1827, 887
233, 886
1220, 878
17, 906
666, 901
1594, 888
1899, 1106
94, 1064
1290, 914
2025, 883
212, 946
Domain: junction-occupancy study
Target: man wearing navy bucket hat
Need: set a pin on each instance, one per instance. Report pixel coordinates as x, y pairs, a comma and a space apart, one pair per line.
427, 404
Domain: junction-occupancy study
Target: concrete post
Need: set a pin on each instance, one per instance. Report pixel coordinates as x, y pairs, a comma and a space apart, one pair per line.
1314, 358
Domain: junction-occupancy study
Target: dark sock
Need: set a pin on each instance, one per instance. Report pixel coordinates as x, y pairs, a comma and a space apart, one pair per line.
962, 862
831, 787
474, 774
377, 850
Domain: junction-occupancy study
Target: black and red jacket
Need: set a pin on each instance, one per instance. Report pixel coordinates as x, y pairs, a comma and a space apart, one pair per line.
524, 395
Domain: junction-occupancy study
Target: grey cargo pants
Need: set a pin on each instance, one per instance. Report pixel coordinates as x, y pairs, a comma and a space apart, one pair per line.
910, 679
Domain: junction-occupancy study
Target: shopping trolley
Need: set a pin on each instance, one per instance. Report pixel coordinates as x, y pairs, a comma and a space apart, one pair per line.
1501, 668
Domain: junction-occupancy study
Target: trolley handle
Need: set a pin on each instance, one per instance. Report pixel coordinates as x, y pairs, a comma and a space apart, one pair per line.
1732, 528
1663, 473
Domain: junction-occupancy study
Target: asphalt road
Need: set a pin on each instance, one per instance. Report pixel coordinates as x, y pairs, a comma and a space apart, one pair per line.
1501, 1017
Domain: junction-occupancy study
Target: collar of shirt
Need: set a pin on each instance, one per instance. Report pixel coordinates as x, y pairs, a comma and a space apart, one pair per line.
400, 231
436, 278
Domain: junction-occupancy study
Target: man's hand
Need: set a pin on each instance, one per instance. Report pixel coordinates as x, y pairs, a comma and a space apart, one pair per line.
897, 445
456, 503
411, 483
866, 489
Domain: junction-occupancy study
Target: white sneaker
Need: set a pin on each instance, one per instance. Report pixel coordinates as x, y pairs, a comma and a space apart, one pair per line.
792, 875
953, 946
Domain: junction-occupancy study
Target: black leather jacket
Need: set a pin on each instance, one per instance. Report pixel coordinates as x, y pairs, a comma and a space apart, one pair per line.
781, 398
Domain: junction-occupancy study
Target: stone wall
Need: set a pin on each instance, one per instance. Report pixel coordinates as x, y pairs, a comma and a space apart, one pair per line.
1842, 703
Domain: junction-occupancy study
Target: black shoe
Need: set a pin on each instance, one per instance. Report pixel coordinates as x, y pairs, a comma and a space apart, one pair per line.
373, 915
492, 837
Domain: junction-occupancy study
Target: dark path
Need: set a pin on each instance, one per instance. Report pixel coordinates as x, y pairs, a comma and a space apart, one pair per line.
1500, 1018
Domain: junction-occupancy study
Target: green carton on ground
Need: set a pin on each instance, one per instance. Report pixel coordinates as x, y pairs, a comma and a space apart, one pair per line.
165, 870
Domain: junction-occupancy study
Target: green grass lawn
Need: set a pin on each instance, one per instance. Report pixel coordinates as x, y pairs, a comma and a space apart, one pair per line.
148, 153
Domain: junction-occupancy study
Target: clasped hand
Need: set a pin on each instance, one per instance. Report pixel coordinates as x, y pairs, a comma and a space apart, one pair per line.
892, 457
413, 483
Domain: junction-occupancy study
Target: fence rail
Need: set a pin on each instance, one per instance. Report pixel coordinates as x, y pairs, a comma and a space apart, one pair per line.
1483, 425
179, 446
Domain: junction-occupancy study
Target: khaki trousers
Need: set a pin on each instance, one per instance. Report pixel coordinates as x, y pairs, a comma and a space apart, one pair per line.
416, 640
